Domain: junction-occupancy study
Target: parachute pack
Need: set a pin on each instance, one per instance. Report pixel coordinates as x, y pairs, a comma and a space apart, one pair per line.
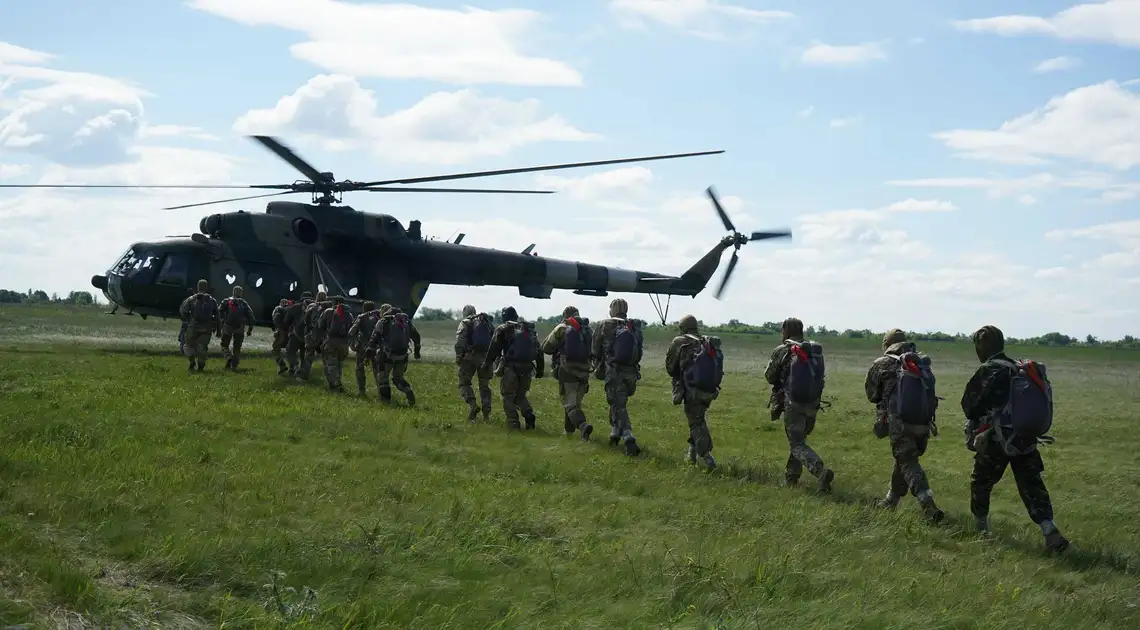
479, 332
338, 325
703, 365
628, 342
805, 373
576, 341
203, 311
520, 343
1028, 413
396, 335
913, 400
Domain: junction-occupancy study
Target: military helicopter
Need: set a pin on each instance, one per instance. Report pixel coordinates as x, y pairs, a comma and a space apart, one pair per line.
324, 246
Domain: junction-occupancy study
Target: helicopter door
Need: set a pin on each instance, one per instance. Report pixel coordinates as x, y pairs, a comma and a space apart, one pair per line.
176, 278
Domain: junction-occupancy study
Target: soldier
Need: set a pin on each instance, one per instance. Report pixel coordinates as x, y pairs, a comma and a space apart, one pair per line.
389, 344
333, 325
295, 332
280, 333
696, 364
570, 345
312, 335
618, 348
905, 412
201, 312
796, 367
234, 314
358, 336
516, 342
988, 403
182, 330
472, 339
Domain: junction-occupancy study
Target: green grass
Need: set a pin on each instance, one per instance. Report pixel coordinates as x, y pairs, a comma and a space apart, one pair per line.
135, 494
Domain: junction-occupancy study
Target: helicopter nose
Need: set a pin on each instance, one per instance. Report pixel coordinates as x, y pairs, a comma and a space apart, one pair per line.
99, 282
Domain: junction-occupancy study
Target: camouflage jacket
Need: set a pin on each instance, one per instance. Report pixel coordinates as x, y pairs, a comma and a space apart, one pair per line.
361, 331
234, 313
985, 394
881, 376
376, 340
776, 372
325, 328
604, 337
295, 318
563, 369
499, 344
674, 363
463, 338
313, 334
186, 310
277, 319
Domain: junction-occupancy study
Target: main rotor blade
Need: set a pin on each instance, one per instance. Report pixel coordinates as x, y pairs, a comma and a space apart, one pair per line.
727, 274
720, 210
287, 154
207, 203
460, 190
532, 169
761, 236
207, 187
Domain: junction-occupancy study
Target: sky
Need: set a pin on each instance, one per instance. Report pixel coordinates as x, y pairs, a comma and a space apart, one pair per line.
942, 166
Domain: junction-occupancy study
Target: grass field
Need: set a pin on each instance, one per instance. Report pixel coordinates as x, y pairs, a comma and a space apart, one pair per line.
136, 495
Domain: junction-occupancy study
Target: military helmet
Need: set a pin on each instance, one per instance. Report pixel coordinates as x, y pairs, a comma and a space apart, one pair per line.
468, 310
284, 301
687, 324
619, 308
892, 337
368, 305
509, 314
384, 308
569, 311
988, 341
792, 327
338, 299
322, 296
203, 286
238, 291
306, 295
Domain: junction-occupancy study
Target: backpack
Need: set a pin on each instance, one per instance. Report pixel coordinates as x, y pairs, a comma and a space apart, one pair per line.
203, 311
396, 335
704, 366
338, 326
576, 341
805, 372
913, 400
1028, 413
480, 332
627, 343
520, 343
234, 312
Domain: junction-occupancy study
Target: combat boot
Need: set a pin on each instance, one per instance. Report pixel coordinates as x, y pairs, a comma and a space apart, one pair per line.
386, 395
1054, 541
615, 434
411, 396
190, 369
889, 502
282, 368
691, 454
710, 463
472, 412
530, 420
982, 525
567, 425
825, 480
487, 413
587, 429
631, 447
930, 509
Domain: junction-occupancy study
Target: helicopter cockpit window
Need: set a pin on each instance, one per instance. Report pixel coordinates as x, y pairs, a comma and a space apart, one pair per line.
174, 270
125, 262
392, 229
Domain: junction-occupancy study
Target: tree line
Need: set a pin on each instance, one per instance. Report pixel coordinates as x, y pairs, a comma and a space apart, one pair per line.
38, 296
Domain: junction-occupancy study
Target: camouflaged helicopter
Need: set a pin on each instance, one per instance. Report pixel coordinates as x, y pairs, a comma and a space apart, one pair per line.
324, 246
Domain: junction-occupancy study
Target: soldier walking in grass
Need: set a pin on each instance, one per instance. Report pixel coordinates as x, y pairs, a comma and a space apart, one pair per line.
472, 340
359, 335
295, 332
234, 317
1008, 406
901, 385
696, 364
797, 367
618, 347
570, 345
280, 333
201, 312
391, 340
516, 343
333, 326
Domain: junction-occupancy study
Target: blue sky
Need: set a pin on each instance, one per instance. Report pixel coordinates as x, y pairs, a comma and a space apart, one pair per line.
974, 159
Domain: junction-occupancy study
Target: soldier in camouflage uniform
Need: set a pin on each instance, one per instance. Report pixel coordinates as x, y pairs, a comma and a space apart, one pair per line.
572, 373
358, 337
333, 325
516, 342
696, 402
620, 376
313, 338
985, 395
182, 329
908, 441
469, 355
388, 347
295, 331
201, 311
280, 333
799, 419
236, 322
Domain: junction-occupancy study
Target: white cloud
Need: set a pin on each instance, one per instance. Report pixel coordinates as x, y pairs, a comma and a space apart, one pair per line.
1125, 234
1113, 21
1057, 64
12, 171
167, 131
1021, 189
698, 17
843, 56
11, 53
405, 41
839, 123
920, 205
598, 186
806, 112
443, 128
1097, 123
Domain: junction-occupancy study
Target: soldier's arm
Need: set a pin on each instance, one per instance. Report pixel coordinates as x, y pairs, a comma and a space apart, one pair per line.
414, 333
354, 329
671, 359
772, 372
974, 394
495, 349
596, 343
184, 309
554, 339
460, 339
871, 385
539, 359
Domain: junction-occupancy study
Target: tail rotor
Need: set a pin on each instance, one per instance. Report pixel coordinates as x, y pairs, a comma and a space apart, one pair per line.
738, 239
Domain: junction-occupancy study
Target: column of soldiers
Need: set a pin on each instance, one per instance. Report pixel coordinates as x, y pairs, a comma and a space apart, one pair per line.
1007, 403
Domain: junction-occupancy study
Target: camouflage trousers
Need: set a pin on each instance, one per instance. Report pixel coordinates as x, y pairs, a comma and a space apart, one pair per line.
468, 368
293, 347
621, 383
573, 391
182, 338
799, 422
391, 371
238, 338
197, 343
362, 367
989, 467
280, 340
908, 443
696, 408
333, 354
312, 349
514, 385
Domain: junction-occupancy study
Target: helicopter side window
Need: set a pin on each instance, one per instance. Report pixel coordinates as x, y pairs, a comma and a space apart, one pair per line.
145, 270
126, 262
174, 270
